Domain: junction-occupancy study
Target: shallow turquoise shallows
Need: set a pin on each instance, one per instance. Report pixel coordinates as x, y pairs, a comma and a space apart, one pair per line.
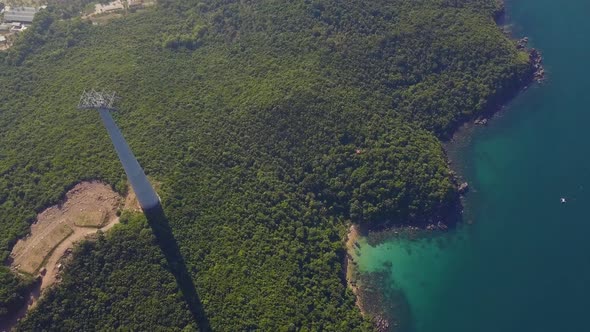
524, 265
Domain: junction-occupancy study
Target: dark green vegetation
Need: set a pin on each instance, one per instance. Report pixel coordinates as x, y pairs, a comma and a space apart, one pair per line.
251, 115
13, 291
66, 9
106, 279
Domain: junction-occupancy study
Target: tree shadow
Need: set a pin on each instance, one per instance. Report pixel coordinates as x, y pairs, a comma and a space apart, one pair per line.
161, 228
9, 322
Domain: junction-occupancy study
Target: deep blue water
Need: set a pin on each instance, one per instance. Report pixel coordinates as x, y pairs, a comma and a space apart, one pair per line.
524, 264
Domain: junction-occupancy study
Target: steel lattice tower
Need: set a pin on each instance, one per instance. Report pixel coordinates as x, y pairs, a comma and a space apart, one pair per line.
103, 102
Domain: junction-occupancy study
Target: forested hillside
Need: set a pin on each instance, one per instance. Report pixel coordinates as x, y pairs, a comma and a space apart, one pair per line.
129, 268
270, 124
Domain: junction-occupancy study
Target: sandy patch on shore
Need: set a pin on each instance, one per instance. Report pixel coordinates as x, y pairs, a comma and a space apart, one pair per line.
351, 269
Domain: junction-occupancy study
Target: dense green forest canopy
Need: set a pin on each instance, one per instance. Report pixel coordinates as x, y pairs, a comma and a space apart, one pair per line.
13, 291
270, 124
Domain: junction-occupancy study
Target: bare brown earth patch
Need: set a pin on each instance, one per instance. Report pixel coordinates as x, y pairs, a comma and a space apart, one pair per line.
87, 208
131, 202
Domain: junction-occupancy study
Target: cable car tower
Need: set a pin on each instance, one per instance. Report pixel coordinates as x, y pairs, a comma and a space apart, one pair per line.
104, 103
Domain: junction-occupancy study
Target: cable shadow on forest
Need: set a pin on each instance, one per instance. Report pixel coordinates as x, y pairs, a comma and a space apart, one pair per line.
161, 228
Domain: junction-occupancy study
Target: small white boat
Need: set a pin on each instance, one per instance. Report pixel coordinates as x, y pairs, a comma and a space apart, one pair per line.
563, 200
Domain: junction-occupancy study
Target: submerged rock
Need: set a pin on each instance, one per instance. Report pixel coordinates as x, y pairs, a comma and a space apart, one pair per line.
522, 43
537, 64
481, 121
463, 188
381, 324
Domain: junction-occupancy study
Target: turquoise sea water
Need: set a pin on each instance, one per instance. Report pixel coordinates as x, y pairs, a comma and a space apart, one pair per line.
524, 264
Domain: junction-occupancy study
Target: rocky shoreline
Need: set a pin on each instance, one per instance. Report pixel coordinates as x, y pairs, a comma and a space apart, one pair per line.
536, 59
537, 75
366, 286
380, 323
351, 273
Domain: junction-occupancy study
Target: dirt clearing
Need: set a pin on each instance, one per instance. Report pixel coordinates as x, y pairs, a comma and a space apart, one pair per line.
88, 207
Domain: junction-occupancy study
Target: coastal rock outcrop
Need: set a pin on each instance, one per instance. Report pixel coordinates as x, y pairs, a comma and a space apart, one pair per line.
481, 121
535, 57
537, 63
463, 188
381, 324
522, 43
